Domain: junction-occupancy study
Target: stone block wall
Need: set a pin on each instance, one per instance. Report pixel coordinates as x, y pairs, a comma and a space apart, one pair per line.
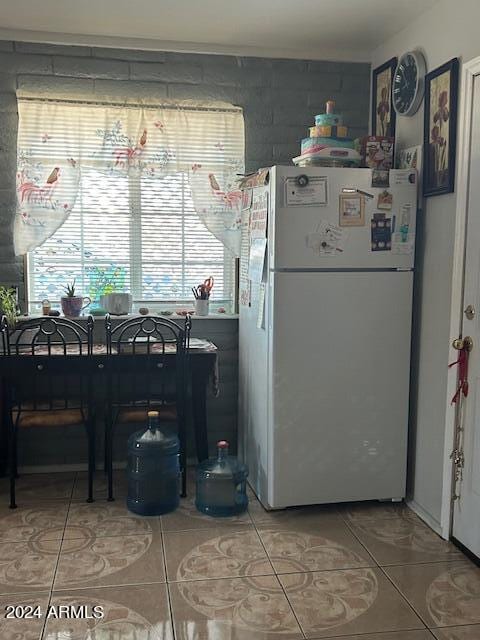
279, 99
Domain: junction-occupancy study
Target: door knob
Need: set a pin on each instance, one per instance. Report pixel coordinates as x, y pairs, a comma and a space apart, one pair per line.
469, 312
463, 343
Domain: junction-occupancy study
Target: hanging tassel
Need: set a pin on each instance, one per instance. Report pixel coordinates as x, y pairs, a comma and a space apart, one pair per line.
462, 363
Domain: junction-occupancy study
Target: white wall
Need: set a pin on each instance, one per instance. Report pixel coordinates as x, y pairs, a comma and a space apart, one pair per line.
450, 29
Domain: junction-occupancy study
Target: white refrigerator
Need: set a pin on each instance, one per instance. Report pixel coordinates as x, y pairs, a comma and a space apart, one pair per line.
324, 342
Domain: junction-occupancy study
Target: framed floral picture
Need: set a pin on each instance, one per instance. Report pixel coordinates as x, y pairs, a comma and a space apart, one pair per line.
383, 113
440, 126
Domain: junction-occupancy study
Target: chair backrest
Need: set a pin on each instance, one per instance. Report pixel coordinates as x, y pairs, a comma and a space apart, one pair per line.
149, 360
38, 377
45, 336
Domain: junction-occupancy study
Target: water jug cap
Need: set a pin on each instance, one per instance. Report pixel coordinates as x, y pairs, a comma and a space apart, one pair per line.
152, 414
222, 444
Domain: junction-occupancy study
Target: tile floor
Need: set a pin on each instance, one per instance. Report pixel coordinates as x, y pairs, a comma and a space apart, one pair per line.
362, 572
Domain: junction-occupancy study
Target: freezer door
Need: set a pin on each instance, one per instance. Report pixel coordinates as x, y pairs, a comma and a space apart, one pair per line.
384, 240
340, 354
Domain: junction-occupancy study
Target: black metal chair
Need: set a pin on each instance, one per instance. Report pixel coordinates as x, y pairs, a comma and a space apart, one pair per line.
41, 390
148, 371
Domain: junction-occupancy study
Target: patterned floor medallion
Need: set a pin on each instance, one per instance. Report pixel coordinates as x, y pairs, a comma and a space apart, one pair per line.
119, 621
454, 597
22, 524
256, 604
332, 598
111, 519
28, 565
342, 598
22, 628
292, 551
404, 532
90, 558
30, 541
235, 553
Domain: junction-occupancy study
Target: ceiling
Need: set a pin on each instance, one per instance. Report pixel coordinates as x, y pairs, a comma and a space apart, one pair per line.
313, 29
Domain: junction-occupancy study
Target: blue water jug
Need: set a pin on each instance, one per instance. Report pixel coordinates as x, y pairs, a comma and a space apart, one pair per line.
153, 470
222, 484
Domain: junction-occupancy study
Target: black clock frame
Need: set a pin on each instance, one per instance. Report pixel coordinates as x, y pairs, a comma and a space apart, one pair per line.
418, 90
392, 64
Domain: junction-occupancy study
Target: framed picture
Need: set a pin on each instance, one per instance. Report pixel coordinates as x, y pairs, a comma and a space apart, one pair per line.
440, 126
352, 210
383, 113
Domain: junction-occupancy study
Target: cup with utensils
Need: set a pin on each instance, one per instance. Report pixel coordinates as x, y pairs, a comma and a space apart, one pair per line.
201, 293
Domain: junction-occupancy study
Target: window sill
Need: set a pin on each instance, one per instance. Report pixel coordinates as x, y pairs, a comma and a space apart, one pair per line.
212, 316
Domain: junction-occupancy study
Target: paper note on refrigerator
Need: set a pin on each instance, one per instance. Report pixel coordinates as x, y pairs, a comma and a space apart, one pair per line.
257, 259
259, 214
404, 176
327, 240
314, 193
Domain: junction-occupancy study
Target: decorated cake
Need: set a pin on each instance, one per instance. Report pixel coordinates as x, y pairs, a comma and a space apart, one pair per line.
329, 131
329, 118
328, 143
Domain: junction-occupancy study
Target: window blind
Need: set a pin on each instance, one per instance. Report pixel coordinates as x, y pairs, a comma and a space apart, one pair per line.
134, 230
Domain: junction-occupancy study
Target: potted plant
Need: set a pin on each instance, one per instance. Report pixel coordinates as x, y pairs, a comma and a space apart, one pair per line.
73, 305
9, 309
8, 306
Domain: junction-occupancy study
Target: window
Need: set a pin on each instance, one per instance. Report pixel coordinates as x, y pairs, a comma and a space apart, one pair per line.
132, 231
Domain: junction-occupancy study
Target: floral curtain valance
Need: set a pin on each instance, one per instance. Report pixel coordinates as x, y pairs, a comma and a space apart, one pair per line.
56, 140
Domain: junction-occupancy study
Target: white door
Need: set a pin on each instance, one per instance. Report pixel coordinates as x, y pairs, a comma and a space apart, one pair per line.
466, 515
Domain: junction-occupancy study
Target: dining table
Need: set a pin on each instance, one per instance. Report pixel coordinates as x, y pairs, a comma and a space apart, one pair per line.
202, 371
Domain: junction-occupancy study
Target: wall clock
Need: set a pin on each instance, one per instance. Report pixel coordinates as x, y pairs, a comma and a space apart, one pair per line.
409, 83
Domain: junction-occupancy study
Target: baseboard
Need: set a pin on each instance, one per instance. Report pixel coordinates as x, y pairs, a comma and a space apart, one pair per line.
426, 517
